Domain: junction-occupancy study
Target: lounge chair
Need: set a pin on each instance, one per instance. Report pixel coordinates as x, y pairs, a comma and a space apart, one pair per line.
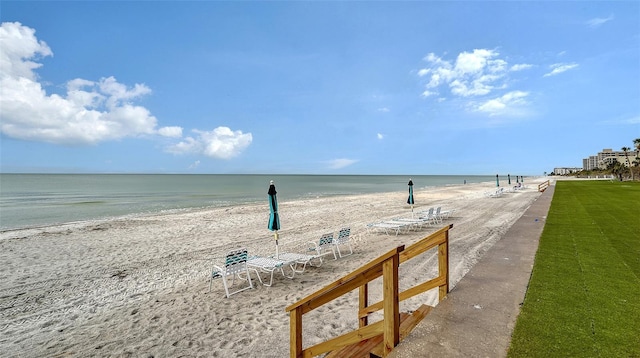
388, 227
300, 260
495, 194
344, 238
437, 215
407, 224
324, 246
235, 264
270, 265
417, 222
428, 216
445, 214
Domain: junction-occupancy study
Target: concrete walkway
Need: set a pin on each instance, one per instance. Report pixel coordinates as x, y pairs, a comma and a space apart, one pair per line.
478, 316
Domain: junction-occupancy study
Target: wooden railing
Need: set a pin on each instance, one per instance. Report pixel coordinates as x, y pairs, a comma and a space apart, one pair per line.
387, 267
543, 186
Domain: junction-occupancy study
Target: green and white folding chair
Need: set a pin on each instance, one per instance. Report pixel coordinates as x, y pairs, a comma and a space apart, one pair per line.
324, 246
234, 265
344, 238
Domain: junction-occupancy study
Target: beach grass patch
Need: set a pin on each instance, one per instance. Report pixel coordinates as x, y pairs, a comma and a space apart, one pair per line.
583, 298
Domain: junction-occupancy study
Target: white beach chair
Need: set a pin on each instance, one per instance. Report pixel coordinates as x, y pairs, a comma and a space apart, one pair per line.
235, 264
447, 213
270, 265
324, 246
405, 224
417, 222
496, 194
437, 215
344, 238
388, 227
428, 216
297, 259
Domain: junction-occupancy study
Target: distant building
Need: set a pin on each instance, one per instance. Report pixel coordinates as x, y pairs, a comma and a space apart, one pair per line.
608, 156
590, 163
566, 170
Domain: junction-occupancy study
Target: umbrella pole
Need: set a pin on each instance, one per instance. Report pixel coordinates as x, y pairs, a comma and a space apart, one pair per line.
277, 249
412, 211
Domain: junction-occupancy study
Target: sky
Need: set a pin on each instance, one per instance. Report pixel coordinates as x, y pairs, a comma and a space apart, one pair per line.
316, 87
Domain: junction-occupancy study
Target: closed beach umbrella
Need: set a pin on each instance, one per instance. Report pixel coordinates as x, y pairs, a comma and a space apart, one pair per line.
274, 218
497, 180
509, 178
410, 199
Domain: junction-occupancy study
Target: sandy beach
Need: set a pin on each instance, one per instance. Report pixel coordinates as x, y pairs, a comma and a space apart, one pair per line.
140, 286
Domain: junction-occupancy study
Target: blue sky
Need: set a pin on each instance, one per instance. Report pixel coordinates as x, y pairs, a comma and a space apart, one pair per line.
332, 87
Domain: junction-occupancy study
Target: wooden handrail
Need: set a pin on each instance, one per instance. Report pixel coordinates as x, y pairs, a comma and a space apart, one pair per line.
387, 267
543, 186
368, 272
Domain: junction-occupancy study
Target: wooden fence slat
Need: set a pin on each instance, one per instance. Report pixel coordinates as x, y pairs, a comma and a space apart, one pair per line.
391, 305
352, 337
338, 291
363, 302
295, 333
425, 244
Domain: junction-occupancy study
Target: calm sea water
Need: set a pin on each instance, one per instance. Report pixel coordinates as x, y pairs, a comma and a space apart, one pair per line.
31, 200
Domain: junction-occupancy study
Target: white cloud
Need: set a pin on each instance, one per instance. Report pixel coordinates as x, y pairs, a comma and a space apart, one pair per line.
631, 120
481, 77
19, 46
599, 21
428, 93
384, 109
520, 67
340, 163
423, 72
221, 143
380, 136
475, 73
473, 62
173, 132
195, 165
505, 104
89, 113
558, 68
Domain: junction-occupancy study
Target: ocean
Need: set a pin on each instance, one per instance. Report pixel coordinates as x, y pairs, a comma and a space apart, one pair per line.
35, 200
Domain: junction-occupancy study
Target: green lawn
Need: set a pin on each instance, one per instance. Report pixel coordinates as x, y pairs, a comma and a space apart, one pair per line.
583, 299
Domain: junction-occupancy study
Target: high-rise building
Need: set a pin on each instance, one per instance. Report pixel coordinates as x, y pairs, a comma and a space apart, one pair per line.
608, 156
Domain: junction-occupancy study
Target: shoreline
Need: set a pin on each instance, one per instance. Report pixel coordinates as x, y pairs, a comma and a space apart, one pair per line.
7, 233
30, 201
140, 285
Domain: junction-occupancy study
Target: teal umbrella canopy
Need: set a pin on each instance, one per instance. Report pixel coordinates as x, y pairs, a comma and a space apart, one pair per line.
274, 217
410, 199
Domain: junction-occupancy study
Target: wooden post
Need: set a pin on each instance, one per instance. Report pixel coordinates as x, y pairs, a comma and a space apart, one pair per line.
443, 266
295, 333
391, 304
363, 303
